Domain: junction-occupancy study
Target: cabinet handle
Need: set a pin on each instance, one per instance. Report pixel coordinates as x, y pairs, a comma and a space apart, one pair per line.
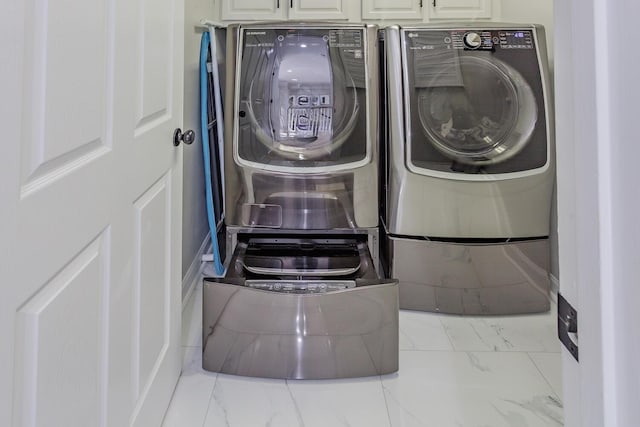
434, 3
278, 4
291, 4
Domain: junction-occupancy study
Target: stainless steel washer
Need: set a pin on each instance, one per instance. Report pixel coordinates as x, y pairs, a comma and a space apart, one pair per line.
303, 295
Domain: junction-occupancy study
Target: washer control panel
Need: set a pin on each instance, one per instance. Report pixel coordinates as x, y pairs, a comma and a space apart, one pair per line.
515, 39
473, 39
301, 286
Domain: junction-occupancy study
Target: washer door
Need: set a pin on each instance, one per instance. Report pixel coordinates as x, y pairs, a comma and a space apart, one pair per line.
301, 98
477, 110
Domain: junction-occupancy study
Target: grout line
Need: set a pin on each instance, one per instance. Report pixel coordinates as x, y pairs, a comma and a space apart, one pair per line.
446, 332
296, 408
213, 389
476, 351
386, 403
544, 377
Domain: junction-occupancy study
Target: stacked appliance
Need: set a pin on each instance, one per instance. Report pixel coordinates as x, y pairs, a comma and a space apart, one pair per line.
470, 167
302, 295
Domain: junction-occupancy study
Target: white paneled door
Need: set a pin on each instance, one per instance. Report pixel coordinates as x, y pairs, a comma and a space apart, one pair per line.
90, 197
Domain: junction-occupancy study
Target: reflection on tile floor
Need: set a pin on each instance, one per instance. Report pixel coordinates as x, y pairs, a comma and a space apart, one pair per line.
454, 371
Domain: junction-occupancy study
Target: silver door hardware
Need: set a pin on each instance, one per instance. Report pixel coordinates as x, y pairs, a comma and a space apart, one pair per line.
187, 137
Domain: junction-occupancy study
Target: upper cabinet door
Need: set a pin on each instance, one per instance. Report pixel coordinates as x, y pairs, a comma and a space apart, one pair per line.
318, 9
255, 10
392, 9
459, 9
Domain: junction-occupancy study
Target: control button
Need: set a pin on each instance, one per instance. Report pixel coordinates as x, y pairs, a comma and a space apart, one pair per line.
472, 40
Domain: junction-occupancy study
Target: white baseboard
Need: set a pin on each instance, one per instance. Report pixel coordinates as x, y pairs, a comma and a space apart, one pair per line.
555, 288
191, 279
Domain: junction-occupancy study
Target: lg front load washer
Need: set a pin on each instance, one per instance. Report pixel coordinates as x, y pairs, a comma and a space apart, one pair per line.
303, 296
302, 152
470, 167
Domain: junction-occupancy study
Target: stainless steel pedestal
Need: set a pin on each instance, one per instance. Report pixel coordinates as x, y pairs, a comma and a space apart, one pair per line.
320, 315
471, 278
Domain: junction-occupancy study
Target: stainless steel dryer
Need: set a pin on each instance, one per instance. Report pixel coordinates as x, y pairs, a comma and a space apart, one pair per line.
302, 296
470, 167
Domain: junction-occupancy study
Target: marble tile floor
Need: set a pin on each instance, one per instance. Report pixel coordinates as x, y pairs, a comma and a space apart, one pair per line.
454, 371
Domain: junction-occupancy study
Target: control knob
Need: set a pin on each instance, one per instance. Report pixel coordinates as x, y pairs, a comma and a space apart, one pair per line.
472, 40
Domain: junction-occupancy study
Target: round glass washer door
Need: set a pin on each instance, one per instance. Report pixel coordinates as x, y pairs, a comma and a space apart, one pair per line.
485, 119
312, 103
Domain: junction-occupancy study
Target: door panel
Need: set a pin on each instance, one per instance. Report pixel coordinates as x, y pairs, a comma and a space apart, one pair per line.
253, 9
318, 9
460, 9
151, 288
156, 210
60, 356
154, 68
391, 9
90, 211
75, 76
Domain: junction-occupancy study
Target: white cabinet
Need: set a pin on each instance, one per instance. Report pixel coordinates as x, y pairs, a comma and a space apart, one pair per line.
257, 10
426, 10
318, 9
392, 9
246, 10
460, 9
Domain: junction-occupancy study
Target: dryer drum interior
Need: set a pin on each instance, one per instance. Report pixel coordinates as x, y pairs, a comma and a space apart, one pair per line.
477, 110
302, 101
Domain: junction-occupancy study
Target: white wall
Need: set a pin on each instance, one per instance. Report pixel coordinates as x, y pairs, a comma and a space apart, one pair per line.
619, 152
539, 12
195, 227
598, 88
532, 12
